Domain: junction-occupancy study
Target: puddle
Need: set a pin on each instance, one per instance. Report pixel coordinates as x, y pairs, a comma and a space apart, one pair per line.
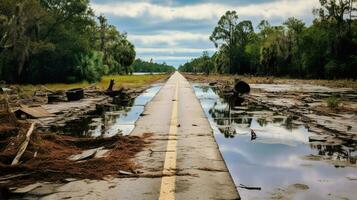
117, 119
299, 87
280, 160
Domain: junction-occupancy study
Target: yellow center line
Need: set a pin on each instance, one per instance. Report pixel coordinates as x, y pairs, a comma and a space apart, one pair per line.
167, 190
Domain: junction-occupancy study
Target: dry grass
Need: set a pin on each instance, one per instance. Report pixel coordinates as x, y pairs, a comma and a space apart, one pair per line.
52, 163
342, 83
129, 81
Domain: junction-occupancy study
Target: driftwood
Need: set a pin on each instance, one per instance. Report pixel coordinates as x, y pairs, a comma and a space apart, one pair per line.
24, 144
249, 188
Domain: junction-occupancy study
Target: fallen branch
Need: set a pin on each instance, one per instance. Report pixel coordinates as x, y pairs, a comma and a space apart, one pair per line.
249, 188
24, 144
5, 178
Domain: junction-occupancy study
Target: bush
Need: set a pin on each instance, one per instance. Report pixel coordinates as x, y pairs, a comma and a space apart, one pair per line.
333, 102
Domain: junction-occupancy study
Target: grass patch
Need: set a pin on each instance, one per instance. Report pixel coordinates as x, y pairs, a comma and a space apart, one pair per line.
129, 81
333, 102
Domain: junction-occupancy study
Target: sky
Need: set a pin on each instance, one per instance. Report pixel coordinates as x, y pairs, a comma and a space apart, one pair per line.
175, 31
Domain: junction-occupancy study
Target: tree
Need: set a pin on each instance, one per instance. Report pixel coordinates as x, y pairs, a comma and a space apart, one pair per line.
233, 37
224, 34
20, 37
144, 66
58, 41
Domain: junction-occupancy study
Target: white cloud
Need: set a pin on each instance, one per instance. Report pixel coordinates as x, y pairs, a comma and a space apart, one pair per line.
168, 37
208, 11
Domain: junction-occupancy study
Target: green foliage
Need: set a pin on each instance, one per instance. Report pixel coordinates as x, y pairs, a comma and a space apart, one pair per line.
91, 66
201, 64
333, 102
143, 66
59, 41
326, 49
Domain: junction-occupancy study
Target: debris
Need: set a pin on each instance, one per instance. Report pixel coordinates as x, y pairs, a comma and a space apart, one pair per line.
32, 112
27, 188
5, 178
111, 85
75, 94
55, 97
249, 188
318, 138
3, 90
194, 124
113, 93
85, 155
253, 135
241, 87
23, 146
67, 180
121, 172
352, 178
213, 83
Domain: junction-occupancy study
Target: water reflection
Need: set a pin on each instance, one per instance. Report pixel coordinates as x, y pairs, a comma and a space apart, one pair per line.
280, 156
110, 120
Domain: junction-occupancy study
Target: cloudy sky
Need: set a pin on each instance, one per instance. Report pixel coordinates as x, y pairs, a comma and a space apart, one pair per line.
175, 31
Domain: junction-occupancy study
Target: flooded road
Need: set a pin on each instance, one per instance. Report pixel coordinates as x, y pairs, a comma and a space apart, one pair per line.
110, 120
280, 160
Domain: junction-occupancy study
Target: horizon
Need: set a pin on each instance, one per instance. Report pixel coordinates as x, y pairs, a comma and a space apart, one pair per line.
175, 31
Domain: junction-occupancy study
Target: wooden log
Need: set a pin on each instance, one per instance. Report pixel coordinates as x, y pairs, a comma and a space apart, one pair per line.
24, 144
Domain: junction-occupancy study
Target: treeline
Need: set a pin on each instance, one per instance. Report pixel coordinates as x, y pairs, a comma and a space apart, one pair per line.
59, 41
326, 49
143, 66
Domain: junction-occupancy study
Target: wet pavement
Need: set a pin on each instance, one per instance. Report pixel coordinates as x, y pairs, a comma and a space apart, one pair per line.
111, 119
181, 158
280, 160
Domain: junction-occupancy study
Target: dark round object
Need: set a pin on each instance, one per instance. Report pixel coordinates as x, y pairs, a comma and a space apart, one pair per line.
75, 94
241, 87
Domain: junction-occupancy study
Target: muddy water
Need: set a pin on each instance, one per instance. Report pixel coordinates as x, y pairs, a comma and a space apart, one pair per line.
108, 121
280, 160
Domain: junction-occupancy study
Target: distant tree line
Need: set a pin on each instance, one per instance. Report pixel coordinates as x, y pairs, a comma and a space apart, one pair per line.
144, 66
59, 41
326, 49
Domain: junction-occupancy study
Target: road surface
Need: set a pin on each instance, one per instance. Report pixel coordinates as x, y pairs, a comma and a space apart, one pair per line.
182, 161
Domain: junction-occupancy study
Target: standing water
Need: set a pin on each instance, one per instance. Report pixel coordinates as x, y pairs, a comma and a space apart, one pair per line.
280, 159
117, 119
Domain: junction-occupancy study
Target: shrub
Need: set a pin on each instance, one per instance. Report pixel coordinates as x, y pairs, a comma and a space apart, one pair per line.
333, 102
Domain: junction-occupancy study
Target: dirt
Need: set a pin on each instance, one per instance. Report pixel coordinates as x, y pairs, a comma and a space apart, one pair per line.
212, 78
52, 151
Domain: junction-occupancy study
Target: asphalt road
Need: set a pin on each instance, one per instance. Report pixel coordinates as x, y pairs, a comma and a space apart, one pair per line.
182, 161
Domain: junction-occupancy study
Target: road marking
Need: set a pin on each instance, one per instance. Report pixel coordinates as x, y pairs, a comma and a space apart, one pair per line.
167, 190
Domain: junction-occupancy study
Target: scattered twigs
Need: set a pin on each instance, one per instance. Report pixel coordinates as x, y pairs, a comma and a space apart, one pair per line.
24, 144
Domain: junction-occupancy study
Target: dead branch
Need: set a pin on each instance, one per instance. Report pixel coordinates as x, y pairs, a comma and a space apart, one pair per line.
24, 145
